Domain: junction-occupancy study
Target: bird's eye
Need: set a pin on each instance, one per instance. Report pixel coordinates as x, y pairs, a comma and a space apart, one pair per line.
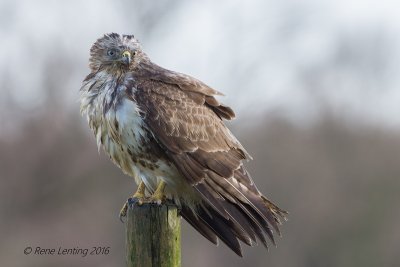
111, 52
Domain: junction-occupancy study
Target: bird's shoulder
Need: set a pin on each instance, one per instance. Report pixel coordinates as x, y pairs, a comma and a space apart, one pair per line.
152, 72
182, 91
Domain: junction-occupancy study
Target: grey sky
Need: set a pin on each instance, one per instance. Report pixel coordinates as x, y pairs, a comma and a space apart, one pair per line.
294, 58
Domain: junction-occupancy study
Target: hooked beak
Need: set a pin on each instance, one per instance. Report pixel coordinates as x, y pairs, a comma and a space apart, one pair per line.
126, 57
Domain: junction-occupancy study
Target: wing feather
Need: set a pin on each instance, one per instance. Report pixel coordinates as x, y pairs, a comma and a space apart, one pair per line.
187, 121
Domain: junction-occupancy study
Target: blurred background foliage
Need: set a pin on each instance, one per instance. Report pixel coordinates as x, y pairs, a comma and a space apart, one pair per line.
316, 88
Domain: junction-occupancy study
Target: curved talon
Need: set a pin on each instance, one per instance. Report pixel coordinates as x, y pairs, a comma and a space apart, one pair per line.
122, 213
156, 200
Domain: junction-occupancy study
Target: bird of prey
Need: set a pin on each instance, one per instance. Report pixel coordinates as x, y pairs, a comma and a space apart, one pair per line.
166, 129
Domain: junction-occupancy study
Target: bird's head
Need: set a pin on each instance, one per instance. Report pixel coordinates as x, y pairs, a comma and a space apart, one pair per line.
115, 53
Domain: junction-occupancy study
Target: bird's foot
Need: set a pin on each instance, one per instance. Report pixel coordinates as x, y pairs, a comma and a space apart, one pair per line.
157, 197
153, 199
139, 198
139, 195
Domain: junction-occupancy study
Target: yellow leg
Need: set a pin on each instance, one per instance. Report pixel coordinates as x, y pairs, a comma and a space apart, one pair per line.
139, 194
158, 195
140, 191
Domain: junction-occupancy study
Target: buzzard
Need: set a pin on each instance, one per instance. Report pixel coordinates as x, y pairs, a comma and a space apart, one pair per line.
166, 129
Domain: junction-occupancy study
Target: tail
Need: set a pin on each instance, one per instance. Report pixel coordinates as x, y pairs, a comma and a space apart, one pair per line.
242, 222
231, 207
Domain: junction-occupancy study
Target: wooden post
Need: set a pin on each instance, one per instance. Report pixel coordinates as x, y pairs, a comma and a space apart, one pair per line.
153, 235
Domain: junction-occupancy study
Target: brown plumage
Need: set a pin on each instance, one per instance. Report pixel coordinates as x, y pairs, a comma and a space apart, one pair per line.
160, 125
